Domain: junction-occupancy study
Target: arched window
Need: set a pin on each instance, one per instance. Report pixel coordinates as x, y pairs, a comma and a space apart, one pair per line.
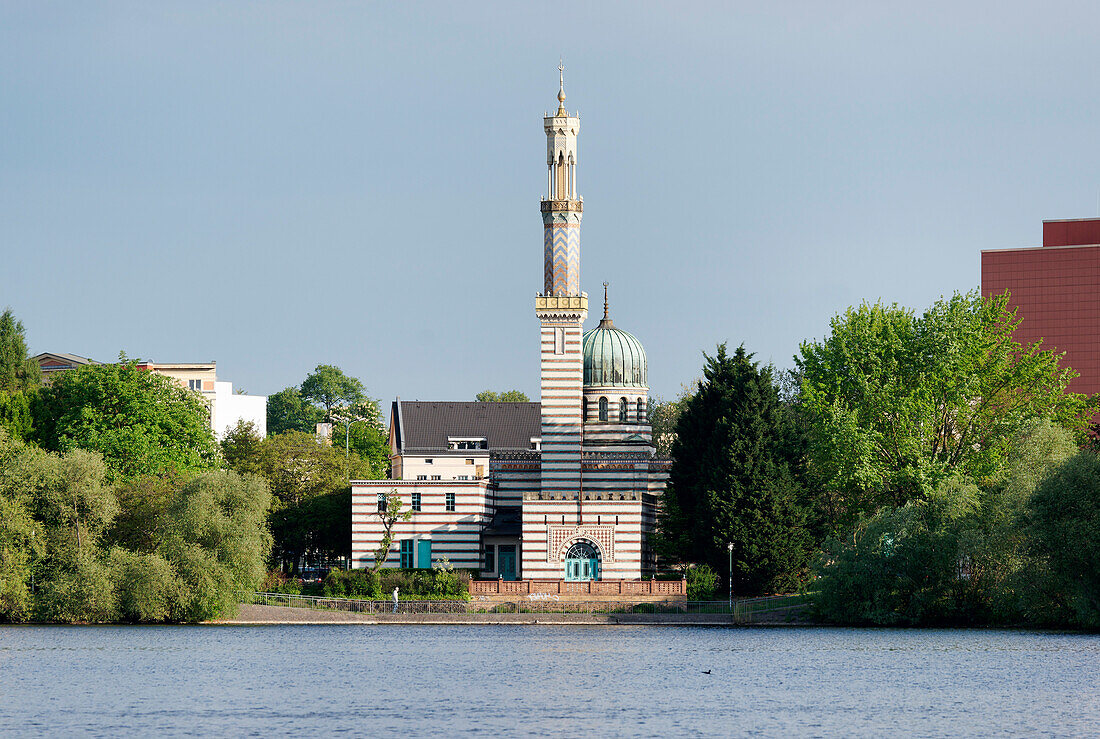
603, 409
584, 409
622, 410
641, 411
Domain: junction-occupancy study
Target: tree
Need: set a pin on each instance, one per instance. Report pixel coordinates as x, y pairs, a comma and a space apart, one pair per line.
242, 448
142, 423
1065, 524
958, 556
663, 415
895, 403
17, 372
286, 411
296, 467
20, 473
508, 396
389, 513
329, 388
217, 542
730, 482
319, 526
19, 377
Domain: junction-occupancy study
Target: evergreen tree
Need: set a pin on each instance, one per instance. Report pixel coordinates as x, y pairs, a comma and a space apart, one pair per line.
731, 480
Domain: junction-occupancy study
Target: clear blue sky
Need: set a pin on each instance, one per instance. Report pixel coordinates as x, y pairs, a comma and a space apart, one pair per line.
274, 185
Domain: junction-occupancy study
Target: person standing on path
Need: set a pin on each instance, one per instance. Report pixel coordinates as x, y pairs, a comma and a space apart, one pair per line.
395, 600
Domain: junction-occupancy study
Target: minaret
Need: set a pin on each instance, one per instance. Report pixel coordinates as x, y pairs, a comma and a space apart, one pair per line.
562, 307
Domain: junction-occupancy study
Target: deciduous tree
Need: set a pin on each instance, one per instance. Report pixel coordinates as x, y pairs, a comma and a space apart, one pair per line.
896, 403
142, 423
507, 396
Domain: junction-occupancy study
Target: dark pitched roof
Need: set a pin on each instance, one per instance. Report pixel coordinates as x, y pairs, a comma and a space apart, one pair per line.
427, 424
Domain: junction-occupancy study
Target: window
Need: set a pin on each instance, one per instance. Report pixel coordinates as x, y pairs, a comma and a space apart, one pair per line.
641, 411
406, 554
467, 443
622, 410
416, 501
381, 502
437, 477
463, 477
469, 461
490, 558
603, 409
450, 501
195, 385
584, 409
559, 341
429, 461
421, 477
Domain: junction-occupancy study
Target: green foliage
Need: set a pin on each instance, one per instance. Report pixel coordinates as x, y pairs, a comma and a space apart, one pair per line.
319, 524
297, 466
507, 396
390, 514
17, 535
329, 388
146, 586
370, 441
217, 541
1065, 518
442, 582
286, 411
895, 403
961, 556
702, 582
77, 589
731, 481
242, 448
15, 413
141, 422
148, 549
18, 373
665, 414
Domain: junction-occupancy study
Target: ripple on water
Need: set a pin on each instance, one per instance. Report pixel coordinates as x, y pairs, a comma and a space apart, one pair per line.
434, 681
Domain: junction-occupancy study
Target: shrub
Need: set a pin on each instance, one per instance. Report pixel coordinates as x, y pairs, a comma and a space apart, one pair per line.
702, 581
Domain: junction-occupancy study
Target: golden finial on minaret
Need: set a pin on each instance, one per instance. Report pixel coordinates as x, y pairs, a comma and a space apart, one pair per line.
561, 88
605, 284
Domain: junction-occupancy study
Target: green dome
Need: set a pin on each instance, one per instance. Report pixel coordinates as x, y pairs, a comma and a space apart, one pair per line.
613, 358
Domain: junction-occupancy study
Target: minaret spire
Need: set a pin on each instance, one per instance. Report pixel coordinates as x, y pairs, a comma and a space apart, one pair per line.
606, 322
561, 87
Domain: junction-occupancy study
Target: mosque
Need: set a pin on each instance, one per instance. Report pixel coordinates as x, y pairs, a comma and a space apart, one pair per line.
565, 489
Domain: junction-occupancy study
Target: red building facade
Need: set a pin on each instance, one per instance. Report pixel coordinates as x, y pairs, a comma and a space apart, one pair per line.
1056, 288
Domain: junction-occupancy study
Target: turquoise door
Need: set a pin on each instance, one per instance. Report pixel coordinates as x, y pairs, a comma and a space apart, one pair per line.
506, 561
582, 563
424, 554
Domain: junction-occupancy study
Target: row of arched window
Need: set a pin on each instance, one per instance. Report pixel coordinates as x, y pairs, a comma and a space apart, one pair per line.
624, 409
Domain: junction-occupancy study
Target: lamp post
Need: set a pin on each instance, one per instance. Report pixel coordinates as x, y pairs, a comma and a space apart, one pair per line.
729, 548
347, 433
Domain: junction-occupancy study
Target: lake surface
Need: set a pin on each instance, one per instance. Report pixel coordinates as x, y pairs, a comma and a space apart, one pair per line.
439, 680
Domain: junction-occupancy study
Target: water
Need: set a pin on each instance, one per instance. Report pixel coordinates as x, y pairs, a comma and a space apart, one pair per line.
438, 681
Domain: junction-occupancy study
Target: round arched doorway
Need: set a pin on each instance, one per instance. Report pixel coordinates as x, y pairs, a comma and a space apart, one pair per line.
582, 562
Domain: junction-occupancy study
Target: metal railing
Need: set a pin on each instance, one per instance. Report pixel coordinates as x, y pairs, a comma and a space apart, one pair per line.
745, 610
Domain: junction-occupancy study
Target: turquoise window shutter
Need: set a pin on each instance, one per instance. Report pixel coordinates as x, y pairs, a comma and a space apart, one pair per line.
424, 554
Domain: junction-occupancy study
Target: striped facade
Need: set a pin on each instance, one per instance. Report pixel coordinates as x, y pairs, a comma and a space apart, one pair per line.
591, 480
453, 534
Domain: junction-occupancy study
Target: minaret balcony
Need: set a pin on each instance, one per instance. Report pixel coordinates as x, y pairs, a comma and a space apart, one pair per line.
562, 302
548, 206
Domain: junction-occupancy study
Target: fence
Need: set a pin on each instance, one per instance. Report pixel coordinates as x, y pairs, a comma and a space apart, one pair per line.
586, 587
745, 610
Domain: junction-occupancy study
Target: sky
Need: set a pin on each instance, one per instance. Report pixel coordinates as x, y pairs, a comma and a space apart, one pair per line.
277, 185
